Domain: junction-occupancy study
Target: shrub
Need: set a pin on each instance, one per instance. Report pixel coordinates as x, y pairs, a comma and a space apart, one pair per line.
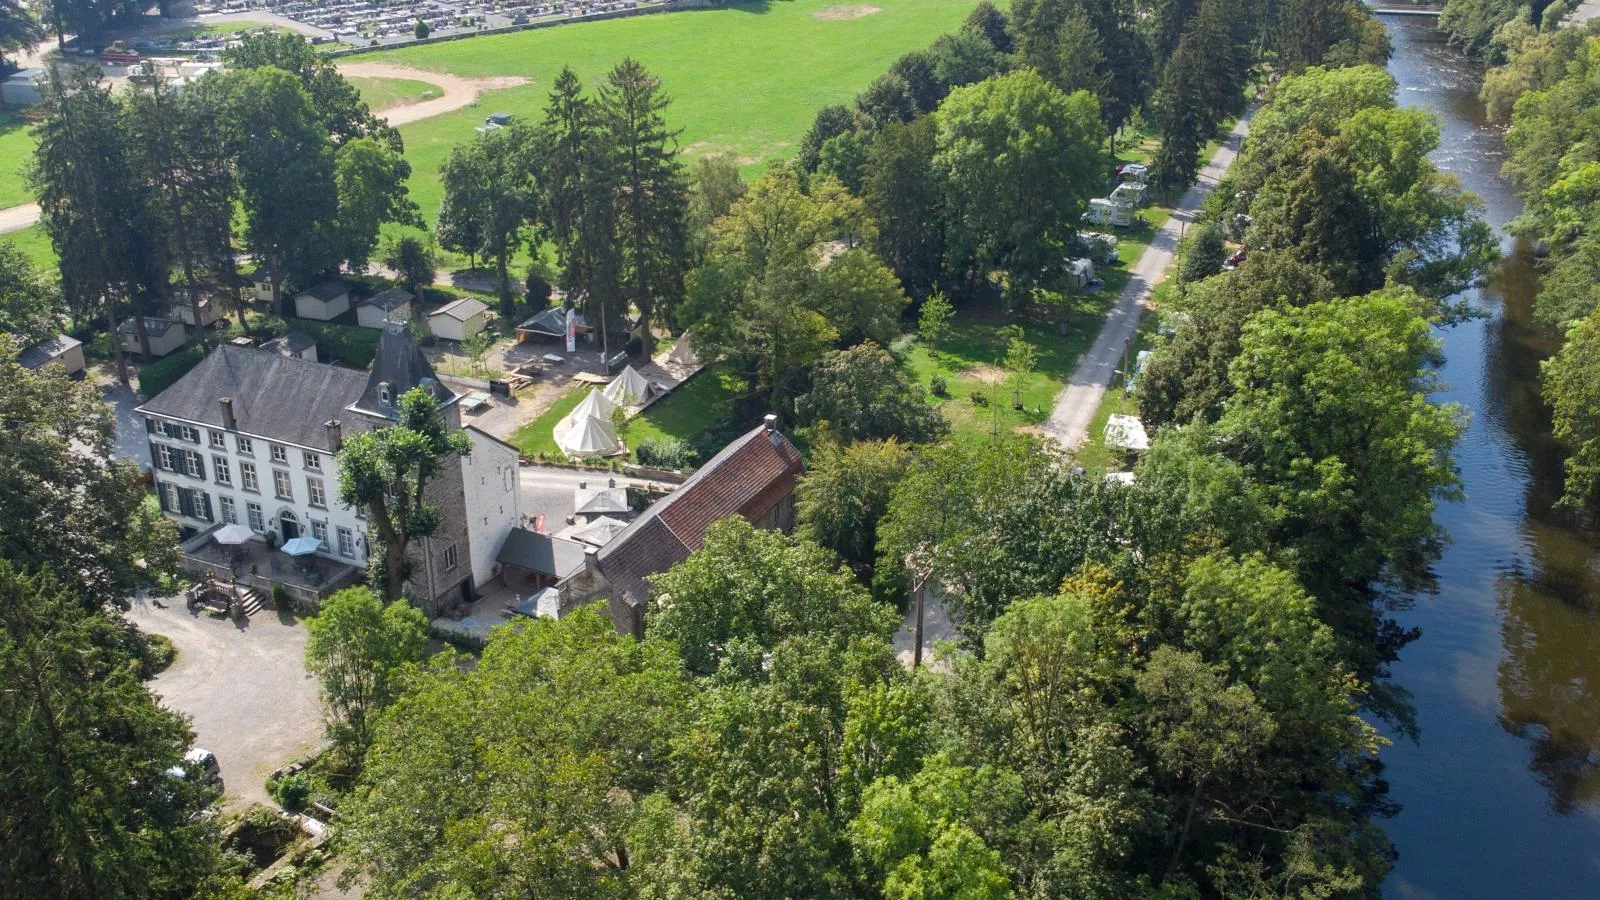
665, 453
292, 791
280, 597
539, 291
938, 387
349, 344
979, 398
159, 654
160, 375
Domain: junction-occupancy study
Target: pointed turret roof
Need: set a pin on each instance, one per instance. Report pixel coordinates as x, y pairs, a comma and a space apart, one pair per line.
399, 366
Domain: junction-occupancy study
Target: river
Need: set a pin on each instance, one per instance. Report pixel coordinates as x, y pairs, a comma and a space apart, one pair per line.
1501, 795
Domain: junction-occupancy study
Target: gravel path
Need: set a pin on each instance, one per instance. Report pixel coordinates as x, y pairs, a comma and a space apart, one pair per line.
1080, 399
457, 92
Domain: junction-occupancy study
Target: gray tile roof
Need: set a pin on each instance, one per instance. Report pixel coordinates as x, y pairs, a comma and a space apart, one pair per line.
401, 363
155, 326
326, 290
294, 341
462, 309
276, 397
541, 553
391, 299
46, 350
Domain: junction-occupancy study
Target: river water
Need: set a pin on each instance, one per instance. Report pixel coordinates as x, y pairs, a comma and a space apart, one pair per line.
1501, 795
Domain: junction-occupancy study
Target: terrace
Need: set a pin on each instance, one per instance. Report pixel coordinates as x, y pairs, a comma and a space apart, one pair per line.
306, 579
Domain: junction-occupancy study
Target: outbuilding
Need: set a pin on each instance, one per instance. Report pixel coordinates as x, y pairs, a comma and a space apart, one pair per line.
324, 301
530, 560
392, 305
294, 345
261, 283
165, 335
460, 320
61, 350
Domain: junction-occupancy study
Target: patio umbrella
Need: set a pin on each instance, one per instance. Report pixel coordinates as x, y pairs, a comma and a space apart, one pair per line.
232, 535
302, 546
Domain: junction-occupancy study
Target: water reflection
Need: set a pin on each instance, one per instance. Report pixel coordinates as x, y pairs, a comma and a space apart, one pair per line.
1501, 797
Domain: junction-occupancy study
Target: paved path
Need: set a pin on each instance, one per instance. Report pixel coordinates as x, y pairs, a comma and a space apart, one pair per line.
1078, 402
16, 218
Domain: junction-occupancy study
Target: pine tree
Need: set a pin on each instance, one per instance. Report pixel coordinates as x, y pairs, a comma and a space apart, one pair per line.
652, 190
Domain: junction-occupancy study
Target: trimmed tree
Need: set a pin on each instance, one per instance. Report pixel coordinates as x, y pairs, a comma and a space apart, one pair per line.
386, 472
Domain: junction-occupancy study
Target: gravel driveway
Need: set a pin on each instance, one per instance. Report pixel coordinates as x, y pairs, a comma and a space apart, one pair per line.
246, 689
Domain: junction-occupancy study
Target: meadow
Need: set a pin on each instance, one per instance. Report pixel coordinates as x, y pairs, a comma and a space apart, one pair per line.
745, 79
382, 93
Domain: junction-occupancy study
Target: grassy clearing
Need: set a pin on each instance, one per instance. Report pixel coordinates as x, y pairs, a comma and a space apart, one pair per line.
538, 436
688, 413
1094, 456
383, 93
16, 152
33, 242
746, 79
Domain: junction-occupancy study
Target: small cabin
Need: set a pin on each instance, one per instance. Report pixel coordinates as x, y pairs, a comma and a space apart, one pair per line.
183, 310
324, 301
62, 350
392, 305
165, 335
261, 283
295, 345
460, 320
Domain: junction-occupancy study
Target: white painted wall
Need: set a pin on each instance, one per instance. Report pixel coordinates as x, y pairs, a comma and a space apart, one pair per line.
309, 307
454, 329
334, 513
494, 504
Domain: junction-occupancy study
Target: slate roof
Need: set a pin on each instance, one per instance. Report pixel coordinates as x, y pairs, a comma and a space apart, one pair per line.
748, 477
276, 397
294, 342
462, 309
401, 363
535, 552
152, 324
46, 350
326, 290
390, 300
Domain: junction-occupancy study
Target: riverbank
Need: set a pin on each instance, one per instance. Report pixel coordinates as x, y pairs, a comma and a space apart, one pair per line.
1501, 796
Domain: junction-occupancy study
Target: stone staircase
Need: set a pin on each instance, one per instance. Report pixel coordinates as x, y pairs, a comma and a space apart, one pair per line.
254, 599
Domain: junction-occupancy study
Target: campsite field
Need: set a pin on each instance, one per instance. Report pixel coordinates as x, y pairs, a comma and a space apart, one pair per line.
745, 79
383, 93
16, 152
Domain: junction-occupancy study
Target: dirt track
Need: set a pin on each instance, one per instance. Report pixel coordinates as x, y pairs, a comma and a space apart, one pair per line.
457, 91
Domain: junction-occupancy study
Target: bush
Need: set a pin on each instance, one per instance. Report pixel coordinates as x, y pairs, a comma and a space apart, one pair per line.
280, 597
979, 398
160, 375
539, 291
938, 387
158, 656
349, 344
292, 791
665, 453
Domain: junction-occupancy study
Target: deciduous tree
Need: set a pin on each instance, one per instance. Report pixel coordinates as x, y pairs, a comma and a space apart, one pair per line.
386, 473
357, 648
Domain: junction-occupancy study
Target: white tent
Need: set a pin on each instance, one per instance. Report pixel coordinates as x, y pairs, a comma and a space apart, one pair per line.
629, 388
594, 406
682, 352
589, 501
1126, 433
588, 436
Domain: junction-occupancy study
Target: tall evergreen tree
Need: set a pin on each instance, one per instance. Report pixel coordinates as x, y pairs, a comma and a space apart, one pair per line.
652, 196
99, 211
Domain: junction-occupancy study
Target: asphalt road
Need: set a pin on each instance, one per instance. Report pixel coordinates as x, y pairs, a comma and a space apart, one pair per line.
1080, 399
244, 687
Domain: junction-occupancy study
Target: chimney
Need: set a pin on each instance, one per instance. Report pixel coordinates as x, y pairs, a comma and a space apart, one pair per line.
591, 560
228, 421
770, 422
583, 485
611, 482
335, 434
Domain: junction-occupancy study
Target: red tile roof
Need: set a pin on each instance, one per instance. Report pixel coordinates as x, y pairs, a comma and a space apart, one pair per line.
747, 478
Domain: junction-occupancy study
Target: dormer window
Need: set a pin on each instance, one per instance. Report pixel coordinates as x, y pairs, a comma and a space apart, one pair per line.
383, 393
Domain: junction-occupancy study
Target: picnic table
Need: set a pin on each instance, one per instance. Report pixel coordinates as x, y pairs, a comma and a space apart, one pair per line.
474, 401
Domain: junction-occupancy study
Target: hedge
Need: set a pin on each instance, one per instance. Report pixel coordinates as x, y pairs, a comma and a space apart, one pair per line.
352, 345
158, 376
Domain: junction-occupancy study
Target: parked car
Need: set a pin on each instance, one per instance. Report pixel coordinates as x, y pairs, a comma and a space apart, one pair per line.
198, 763
1234, 260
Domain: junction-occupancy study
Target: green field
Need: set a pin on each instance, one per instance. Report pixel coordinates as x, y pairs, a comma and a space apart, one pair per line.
35, 244
382, 93
746, 79
16, 151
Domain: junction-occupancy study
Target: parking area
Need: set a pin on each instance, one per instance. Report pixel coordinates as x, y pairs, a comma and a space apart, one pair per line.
245, 687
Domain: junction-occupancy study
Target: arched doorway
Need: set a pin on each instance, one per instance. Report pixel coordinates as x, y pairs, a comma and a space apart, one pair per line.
288, 526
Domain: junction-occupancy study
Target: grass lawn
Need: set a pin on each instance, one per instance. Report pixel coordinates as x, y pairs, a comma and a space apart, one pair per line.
538, 436
701, 404
33, 242
1093, 455
746, 79
16, 151
382, 93
969, 362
